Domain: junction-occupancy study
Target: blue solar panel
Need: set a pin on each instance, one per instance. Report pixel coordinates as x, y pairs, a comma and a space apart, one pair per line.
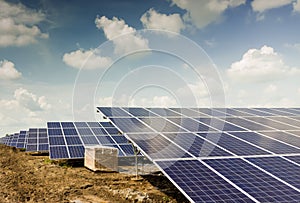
190, 124
93, 124
73, 140
266, 143
220, 124
53, 125
232, 144
196, 145
99, 131
67, 125
128, 149
254, 112
106, 124
54, 132
274, 112
258, 184
112, 131
272, 123
287, 120
113, 112
84, 131
281, 168
81, 124
56, 141
105, 140
130, 125
76, 151
70, 131
164, 112
32, 141
285, 137
58, 152
247, 124
43, 147
295, 159
188, 112
120, 139
162, 125
157, 147
211, 112
200, 183
140, 112
89, 140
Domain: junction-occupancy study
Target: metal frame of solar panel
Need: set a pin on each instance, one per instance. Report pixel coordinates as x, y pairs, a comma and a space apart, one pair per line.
37, 140
22, 139
219, 154
67, 140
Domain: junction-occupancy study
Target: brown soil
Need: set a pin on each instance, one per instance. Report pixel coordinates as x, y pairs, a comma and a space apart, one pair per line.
27, 178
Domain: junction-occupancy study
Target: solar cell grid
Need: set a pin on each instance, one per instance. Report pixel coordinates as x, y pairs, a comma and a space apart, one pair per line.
296, 159
254, 112
81, 124
285, 137
113, 112
191, 125
200, 183
272, 123
99, 131
247, 124
131, 125
266, 143
281, 168
287, 120
93, 124
53, 125
232, 144
157, 147
163, 112
275, 112
189, 112
220, 124
196, 145
258, 184
67, 125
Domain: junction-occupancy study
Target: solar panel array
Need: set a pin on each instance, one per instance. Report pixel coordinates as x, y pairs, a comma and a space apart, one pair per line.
220, 155
67, 140
37, 140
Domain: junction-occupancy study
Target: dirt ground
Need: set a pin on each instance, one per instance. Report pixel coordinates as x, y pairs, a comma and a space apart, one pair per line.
28, 178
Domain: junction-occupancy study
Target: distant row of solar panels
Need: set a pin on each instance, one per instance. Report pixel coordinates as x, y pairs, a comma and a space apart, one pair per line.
67, 140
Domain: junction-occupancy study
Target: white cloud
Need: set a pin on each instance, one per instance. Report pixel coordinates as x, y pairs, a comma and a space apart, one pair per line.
18, 25
30, 101
201, 13
156, 101
8, 71
296, 6
263, 5
113, 29
154, 20
293, 46
299, 90
258, 65
271, 89
86, 59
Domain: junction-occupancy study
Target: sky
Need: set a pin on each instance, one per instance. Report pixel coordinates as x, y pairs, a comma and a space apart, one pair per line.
60, 59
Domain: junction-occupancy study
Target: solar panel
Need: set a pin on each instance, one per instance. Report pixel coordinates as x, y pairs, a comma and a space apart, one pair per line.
72, 137
254, 181
267, 143
220, 154
281, 168
37, 140
199, 183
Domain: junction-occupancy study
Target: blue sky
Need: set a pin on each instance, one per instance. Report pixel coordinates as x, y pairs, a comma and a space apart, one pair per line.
59, 59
